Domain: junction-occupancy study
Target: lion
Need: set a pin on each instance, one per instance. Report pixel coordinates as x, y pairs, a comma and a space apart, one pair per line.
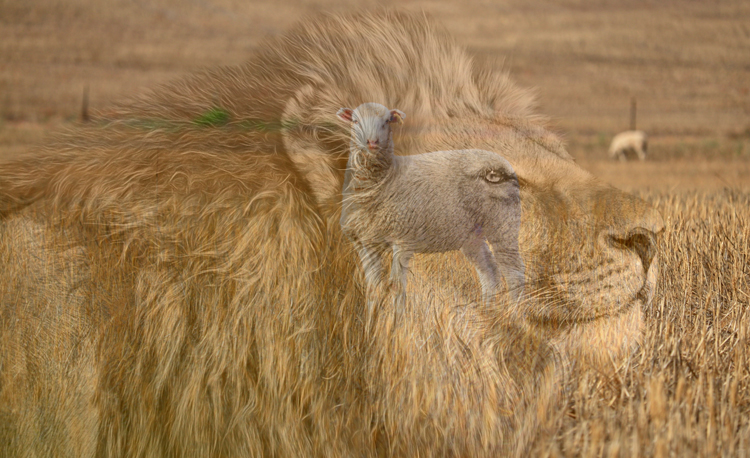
175, 282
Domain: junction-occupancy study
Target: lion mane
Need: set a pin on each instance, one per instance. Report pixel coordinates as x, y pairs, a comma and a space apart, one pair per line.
174, 281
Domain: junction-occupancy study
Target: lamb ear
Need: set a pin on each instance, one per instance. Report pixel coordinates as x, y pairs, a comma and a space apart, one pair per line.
345, 114
397, 116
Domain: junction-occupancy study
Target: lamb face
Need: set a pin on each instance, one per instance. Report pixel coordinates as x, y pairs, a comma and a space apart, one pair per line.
371, 125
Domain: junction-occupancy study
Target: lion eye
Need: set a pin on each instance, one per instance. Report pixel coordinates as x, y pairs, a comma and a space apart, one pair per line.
493, 177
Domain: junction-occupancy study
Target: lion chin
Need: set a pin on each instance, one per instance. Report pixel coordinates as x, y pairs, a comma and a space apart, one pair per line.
591, 316
595, 317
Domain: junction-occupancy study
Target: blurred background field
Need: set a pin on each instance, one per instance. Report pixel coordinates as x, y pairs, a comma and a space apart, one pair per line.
686, 392
686, 62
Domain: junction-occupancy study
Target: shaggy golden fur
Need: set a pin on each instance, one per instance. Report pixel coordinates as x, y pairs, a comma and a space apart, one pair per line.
176, 287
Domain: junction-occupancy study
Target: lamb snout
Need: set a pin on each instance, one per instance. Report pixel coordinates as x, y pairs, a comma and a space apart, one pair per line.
373, 144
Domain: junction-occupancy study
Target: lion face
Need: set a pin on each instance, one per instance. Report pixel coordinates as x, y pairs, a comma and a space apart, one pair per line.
590, 249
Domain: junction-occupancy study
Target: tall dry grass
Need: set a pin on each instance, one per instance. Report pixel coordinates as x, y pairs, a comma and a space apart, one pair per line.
686, 391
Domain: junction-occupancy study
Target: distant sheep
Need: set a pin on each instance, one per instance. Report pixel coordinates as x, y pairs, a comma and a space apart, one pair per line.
428, 203
628, 144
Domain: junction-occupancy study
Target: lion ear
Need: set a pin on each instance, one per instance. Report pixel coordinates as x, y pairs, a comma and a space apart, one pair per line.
345, 114
397, 116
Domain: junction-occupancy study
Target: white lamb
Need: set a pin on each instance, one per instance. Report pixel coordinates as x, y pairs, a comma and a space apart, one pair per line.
627, 144
428, 203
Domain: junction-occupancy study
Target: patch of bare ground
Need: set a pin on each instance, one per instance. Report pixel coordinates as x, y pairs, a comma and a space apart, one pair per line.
674, 175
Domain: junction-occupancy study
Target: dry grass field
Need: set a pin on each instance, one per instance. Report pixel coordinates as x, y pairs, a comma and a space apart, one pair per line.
686, 391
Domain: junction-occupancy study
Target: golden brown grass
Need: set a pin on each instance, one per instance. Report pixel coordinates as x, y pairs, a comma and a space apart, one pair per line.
673, 176
685, 392
686, 62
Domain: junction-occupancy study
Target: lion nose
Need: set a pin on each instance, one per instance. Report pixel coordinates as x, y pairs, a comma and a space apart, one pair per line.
641, 238
643, 243
372, 144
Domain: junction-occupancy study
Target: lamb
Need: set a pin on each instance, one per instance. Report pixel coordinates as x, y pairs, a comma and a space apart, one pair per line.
628, 143
428, 203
